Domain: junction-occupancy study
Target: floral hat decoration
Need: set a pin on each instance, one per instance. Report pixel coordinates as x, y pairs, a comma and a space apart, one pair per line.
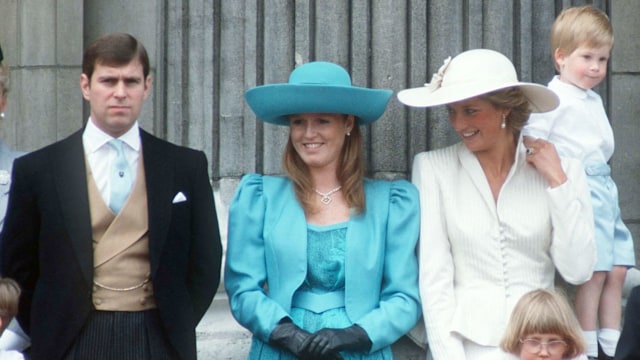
474, 73
317, 87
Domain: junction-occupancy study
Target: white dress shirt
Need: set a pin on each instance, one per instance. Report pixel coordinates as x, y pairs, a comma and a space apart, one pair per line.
100, 155
579, 127
479, 256
11, 355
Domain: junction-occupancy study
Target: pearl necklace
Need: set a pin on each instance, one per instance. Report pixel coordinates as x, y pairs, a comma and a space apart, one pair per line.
326, 197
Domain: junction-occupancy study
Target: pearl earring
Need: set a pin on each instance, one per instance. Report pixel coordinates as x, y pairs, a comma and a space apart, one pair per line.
348, 133
1, 115
504, 121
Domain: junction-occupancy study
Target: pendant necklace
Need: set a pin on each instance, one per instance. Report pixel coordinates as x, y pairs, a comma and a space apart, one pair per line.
326, 197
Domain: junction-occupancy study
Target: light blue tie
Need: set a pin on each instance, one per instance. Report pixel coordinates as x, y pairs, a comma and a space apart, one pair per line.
120, 178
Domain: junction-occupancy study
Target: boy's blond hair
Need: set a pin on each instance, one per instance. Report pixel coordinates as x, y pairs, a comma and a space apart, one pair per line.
577, 26
543, 312
9, 298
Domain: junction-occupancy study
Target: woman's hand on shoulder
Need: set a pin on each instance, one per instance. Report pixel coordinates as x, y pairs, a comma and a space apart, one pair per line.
542, 155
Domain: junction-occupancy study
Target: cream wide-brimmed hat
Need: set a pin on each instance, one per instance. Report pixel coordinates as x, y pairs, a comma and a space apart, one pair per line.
317, 87
474, 73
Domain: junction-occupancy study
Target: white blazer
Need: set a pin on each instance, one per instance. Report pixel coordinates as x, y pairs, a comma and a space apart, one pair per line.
479, 256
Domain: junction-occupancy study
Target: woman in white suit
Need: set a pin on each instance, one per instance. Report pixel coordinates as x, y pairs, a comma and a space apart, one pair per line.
499, 215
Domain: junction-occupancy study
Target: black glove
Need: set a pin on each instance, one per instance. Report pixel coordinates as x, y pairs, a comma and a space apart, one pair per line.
289, 336
326, 343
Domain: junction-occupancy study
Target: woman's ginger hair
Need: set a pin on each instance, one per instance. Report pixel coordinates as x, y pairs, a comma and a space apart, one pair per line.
350, 172
577, 26
543, 312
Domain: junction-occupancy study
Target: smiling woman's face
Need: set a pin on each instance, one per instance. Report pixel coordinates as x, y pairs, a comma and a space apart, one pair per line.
318, 138
477, 121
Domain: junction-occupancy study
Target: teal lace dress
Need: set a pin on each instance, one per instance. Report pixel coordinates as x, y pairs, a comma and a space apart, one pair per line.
325, 274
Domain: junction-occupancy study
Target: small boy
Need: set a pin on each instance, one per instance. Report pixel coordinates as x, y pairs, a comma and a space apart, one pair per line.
581, 44
9, 296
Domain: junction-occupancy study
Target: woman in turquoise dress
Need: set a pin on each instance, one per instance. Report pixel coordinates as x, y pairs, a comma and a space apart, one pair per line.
321, 263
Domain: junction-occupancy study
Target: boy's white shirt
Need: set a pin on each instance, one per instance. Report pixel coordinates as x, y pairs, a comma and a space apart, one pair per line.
14, 338
11, 355
579, 127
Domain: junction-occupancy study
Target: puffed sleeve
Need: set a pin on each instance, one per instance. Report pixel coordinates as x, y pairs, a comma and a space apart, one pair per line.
436, 274
399, 307
245, 268
573, 227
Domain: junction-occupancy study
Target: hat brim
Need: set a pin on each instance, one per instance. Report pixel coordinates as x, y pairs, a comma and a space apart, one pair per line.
540, 98
276, 102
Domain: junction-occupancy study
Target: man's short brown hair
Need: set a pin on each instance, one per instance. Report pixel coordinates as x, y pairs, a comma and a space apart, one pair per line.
115, 49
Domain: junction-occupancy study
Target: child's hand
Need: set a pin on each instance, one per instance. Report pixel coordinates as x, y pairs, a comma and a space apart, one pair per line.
543, 156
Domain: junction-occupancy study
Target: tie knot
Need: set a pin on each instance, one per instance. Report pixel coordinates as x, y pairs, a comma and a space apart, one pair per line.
117, 144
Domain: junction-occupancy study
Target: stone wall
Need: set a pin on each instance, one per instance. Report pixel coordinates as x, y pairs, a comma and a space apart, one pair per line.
206, 53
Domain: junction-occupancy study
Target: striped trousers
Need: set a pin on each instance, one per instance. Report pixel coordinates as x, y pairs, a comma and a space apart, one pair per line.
122, 335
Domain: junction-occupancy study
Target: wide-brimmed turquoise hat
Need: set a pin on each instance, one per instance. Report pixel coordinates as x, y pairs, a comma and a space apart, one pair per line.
317, 87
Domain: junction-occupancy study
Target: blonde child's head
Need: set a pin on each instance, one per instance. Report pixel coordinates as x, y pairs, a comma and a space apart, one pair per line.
580, 26
9, 297
543, 312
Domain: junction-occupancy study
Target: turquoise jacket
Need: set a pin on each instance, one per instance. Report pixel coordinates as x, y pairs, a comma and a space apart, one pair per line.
267, 257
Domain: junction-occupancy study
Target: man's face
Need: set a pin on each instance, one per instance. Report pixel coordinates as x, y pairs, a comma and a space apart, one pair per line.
116, 95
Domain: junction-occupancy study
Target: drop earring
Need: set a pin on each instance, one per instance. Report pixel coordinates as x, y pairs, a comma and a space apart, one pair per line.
504, 121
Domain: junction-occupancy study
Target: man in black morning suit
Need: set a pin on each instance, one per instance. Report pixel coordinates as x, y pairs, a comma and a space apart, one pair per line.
102, 278
629, 344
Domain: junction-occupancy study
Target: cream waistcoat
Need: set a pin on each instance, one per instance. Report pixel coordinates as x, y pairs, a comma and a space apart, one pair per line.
121, 250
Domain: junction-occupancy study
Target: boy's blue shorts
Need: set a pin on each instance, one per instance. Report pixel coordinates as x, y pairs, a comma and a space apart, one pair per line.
613, 240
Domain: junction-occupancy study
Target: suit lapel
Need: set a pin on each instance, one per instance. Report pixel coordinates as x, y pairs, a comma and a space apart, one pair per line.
158, 167
69, 174
472, 167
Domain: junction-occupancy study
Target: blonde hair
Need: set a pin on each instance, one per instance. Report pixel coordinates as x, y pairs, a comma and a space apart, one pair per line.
350, 173
543, 312
582, 25
9, 299
514, 100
